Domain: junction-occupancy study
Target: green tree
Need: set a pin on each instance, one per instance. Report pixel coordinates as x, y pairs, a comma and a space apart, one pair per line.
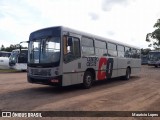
12, 47
154, 37
2, 48
145, 51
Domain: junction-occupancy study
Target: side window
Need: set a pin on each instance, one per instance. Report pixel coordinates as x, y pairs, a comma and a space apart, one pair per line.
138, 53
135, 53
71, 48
100, 48
22, 57
112, 49
127, 53
87, 46
120, 51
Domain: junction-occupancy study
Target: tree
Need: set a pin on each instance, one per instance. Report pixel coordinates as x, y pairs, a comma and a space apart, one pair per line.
154, 37
2, 48
12, 47
145, 51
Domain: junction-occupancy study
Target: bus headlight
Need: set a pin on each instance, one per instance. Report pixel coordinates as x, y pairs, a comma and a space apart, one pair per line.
56, 72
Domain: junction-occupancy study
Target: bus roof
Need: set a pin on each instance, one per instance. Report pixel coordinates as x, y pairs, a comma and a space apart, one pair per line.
155, 51
4, 52
19, 49
87, 35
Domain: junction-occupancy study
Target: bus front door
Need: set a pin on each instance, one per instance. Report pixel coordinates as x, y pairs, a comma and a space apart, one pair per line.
71, 59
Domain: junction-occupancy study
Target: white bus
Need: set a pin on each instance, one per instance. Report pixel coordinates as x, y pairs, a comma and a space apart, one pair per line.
4, 59
67, 57
18, 60
154, 58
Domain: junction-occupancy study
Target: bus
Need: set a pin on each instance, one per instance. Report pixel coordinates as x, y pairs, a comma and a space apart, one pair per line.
66, 57
18, 59
154, 58
4, 59
5, 54
144, 59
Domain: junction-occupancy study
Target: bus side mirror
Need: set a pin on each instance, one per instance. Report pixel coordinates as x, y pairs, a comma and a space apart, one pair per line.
70, 41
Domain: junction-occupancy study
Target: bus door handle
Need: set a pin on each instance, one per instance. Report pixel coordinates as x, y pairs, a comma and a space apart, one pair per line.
79, 65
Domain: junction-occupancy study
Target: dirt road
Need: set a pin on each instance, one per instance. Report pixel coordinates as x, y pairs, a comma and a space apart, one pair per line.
141, 92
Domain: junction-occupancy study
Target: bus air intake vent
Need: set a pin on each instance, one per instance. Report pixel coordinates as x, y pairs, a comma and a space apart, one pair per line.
46, 72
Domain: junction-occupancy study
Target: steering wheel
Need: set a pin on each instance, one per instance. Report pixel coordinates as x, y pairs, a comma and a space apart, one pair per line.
68, 57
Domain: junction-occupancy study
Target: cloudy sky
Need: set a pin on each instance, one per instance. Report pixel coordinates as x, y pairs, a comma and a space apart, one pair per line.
127, 21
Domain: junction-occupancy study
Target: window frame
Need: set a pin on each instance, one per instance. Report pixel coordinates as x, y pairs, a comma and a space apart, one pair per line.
87, 45
72, 43
109, 49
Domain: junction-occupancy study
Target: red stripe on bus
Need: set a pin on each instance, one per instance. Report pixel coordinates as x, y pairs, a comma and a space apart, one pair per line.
101, 74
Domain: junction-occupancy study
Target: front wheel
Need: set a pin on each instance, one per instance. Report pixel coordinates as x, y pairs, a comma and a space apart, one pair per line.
128, 74
87, 80
156, 66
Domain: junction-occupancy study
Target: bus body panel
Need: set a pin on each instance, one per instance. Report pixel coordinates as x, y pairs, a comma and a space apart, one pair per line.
19, 66
4, 59
4, 63
135, 63
154, 58
123, 63
18, 60
72, 72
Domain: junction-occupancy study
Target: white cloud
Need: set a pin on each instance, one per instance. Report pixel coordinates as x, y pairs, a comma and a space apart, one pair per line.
123, 20
108, 4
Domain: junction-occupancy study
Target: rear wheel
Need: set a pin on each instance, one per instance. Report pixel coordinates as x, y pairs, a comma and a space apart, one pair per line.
128, 74
87, 80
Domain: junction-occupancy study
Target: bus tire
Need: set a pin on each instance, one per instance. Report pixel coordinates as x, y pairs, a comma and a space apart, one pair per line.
156, 66
128, 74
87, 80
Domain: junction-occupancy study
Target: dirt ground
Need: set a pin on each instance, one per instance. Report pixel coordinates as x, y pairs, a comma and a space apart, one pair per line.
140, 93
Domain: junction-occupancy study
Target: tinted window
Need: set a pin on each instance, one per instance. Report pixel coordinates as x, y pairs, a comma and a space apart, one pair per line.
87, 42
72, 51
112, 49
112, 53
135, 53
100, 44
87, 46
120, 48
112, 46
100, 48
138, 54
128, 53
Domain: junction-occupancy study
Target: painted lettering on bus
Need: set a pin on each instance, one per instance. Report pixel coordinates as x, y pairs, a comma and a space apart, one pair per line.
105, 68
92, 61
101, 73
109, 67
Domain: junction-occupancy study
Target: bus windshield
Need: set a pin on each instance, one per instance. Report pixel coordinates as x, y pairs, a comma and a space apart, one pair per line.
154, 56
14, 56
46, 50
4, 54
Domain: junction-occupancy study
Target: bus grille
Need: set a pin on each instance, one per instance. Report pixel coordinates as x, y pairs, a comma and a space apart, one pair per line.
46, 72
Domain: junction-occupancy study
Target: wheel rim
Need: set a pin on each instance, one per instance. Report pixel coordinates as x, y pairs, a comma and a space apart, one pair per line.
88, 80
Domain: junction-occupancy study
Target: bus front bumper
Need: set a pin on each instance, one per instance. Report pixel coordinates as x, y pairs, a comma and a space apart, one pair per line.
55, 81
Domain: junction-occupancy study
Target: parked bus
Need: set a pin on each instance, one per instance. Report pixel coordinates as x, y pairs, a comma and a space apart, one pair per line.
144, 59
4, 59
154, 58
67, 57
5, 54
18, 60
